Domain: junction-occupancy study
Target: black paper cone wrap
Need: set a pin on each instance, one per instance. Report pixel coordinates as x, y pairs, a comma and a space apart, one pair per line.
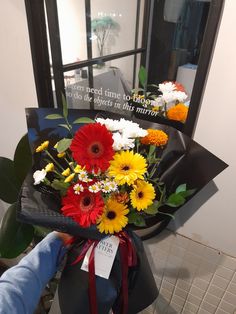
182, 161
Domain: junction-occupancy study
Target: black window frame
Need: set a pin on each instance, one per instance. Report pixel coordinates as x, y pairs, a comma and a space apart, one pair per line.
40, 56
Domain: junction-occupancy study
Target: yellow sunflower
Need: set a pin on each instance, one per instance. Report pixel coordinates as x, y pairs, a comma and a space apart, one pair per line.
127, 167
113, 218
142, 195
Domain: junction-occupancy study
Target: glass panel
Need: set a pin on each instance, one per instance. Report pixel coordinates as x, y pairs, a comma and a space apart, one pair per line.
113, 25
178, 30
112, 84
76, 84
71, 15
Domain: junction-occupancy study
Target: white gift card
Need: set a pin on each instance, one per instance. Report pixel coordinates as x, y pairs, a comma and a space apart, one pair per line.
105, 253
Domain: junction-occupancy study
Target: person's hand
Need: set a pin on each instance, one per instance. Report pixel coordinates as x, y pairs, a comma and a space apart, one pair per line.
65, 237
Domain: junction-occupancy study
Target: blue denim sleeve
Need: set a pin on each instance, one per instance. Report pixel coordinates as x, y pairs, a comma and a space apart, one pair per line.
21, 286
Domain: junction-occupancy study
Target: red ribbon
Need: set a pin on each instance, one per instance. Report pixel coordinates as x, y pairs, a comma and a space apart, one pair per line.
128, 259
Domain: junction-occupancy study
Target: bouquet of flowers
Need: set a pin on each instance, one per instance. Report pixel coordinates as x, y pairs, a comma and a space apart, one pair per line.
166, 100
101, 182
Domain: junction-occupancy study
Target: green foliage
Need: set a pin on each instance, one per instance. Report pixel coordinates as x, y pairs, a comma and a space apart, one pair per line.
9, 184
143, 77
54, 116
103, 23
179, 197
83, 120
136, 219
152, 209
22, 158
63, 145
65, 106
60, 186
15, 236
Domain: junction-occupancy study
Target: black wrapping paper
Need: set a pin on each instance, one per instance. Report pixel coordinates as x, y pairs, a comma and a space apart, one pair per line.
142, 287
182, 161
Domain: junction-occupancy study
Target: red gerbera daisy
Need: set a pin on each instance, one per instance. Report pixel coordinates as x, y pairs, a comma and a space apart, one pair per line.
84, 208
92, 147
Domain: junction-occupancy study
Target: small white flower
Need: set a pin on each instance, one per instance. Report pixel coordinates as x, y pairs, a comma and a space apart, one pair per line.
39, 176
78, 188
166, 87
158, 102
122, 142
94, 188
83, 176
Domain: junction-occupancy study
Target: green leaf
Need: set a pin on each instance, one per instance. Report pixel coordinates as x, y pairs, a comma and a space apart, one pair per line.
152, 149
64, 126
136, 219
15, 236
181, 188
187, 193
65, 107
22, 159
9, 185
54, 116
83, 120
142, 76
175, 200
152, 209
60, 186
63, 145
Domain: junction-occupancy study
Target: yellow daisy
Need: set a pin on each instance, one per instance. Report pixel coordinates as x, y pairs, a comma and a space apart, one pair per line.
69, 178
127, 167
66, 172
61, 155
42, 147
49, 167
142, 195
113, 218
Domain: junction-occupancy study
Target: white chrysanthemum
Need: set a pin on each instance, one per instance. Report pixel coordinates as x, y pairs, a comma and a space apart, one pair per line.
122, 142
110, 124
83, 176
180, 96
131, 129
78, 188
174, 96
166, 87
94, 188
39, 176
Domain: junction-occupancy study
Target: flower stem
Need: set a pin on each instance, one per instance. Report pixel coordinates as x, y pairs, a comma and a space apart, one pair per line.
54, 160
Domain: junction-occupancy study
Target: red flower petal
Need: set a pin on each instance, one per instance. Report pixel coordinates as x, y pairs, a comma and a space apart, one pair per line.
84, 208
92, 147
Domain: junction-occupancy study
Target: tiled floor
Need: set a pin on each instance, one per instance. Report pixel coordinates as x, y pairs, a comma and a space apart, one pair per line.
191, 277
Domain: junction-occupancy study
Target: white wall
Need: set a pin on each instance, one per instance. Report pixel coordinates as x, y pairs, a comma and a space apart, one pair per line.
17, 89
214, 223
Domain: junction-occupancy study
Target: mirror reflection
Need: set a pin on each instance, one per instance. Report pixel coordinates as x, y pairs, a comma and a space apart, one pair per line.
132, 57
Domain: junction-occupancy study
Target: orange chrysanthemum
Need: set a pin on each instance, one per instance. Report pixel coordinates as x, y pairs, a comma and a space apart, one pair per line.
178, 112
155, 137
